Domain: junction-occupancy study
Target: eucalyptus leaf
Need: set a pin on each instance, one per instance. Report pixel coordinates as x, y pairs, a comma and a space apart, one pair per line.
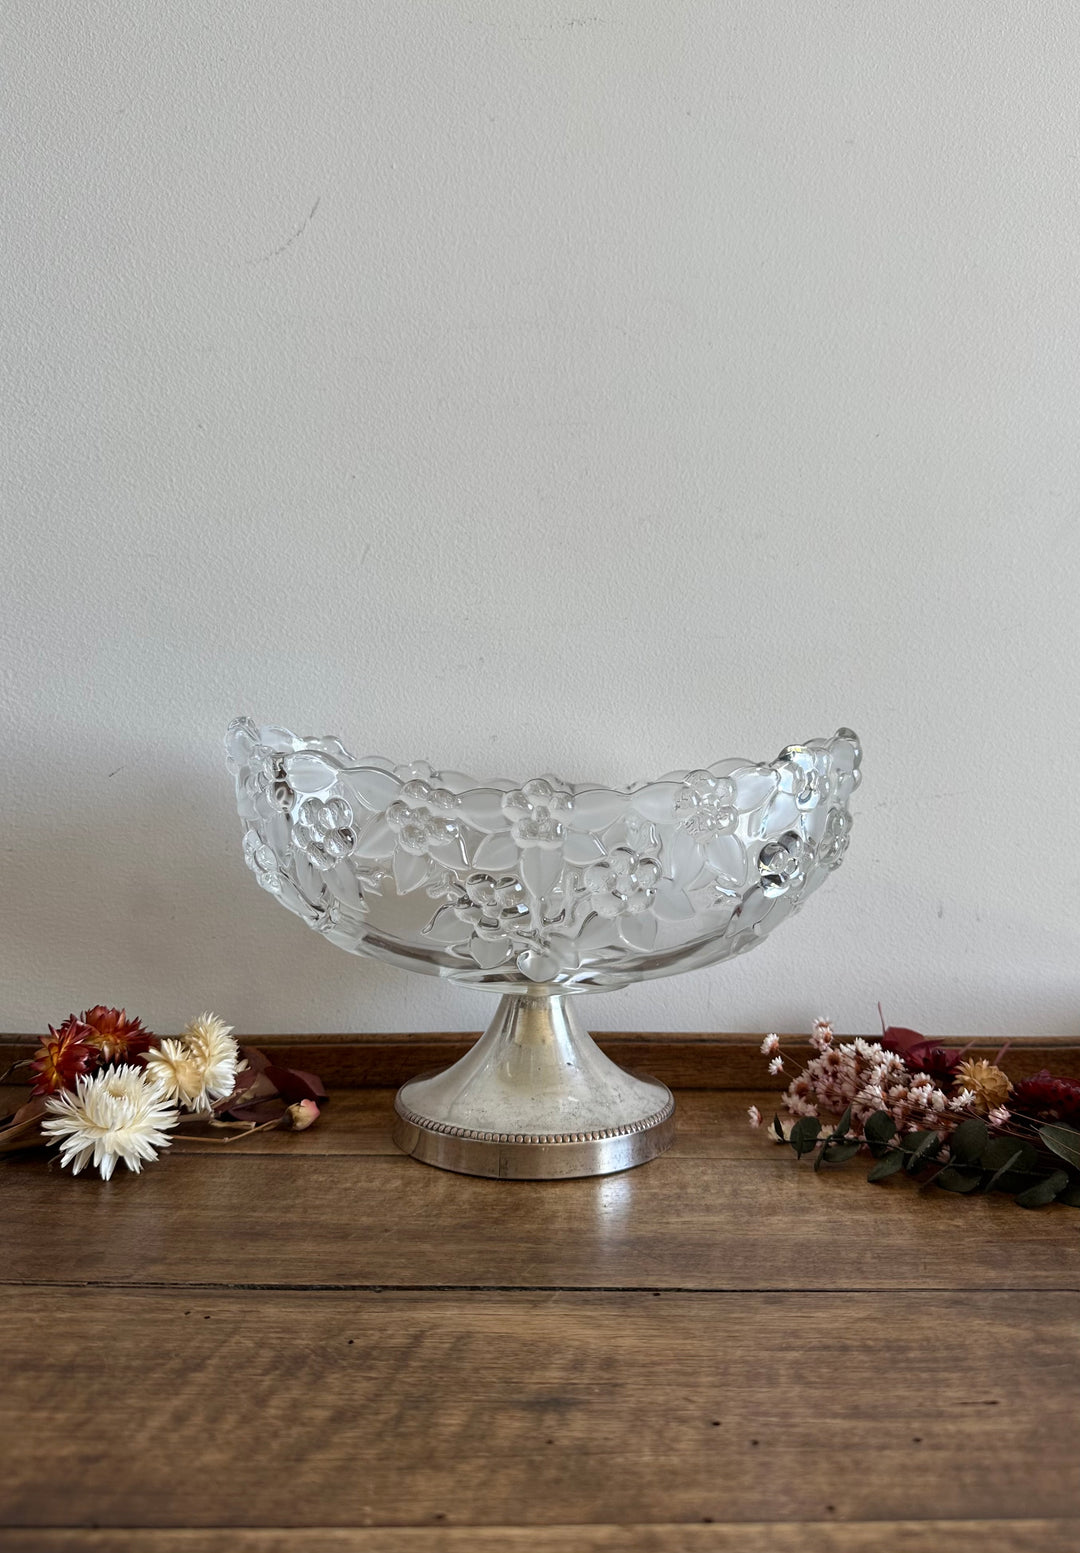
968, 1140
879, 1128
999, 1153
888, 1166
1029, 1160
1063, 1141
843, 1149
1012, 1182
921, 1148
1004, 1167
1071, 1195
953, 1180
1043, 1191
778, 1128
804, 1134
840, 1130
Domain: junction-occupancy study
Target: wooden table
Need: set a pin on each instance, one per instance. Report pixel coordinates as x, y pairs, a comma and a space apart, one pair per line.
308, 1342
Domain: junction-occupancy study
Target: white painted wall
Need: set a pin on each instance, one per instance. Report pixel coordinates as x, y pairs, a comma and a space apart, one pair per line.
594, 386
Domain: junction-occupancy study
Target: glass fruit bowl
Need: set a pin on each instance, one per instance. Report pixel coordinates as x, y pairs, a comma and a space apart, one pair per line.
538, 890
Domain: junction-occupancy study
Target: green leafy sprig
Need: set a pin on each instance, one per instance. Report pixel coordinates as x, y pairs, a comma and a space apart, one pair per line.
971, 1159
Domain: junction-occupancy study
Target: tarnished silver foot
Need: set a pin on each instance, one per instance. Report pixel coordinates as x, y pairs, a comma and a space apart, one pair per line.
534, 1100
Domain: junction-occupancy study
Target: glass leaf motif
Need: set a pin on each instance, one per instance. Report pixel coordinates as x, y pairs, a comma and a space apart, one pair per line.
451, 853
496, 851
489, 952
754, 785
726, 856
672, 904
682, 854
596, 808
596, 934
374, 788
343, 885
482, 808
549, 961
279, 739
540, 870
581, 849
657, 802
308, 773
376, 841
781, 814
638, 931
410, 871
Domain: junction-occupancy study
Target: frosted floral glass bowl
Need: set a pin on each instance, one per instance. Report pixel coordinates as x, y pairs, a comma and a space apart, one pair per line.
538, 889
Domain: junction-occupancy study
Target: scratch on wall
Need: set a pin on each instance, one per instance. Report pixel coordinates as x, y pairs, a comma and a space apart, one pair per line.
300, 230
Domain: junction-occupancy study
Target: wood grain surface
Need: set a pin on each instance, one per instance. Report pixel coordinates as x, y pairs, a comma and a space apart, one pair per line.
309, 1342
294, 1213
421, 1408
1040, 1536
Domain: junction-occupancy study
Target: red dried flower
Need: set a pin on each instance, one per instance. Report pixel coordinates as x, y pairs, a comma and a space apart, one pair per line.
922, 1054
63, 1056
116, 1037
940, 1063
1048, 1099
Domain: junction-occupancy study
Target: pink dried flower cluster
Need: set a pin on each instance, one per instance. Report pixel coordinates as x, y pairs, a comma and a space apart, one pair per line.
862, 1075
821, 1037
886, 1099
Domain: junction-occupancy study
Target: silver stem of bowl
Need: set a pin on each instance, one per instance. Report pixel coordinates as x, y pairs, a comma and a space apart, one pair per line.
534, 1100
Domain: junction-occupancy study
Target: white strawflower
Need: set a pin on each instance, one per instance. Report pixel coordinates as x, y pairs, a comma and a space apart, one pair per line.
770, 1045
200, 1066
115, 1114
753, 1116
211, 1039
776, 1065
178, 1074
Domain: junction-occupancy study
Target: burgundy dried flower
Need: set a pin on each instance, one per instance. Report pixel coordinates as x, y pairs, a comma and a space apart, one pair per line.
117, 1038
1048, 1099
63, 1056
921, 1054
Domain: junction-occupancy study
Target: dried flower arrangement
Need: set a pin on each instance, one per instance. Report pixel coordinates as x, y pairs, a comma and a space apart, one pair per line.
953, 1121
105, 1089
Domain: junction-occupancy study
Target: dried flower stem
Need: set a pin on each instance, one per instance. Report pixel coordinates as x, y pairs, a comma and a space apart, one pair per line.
250, 1129
194, 1119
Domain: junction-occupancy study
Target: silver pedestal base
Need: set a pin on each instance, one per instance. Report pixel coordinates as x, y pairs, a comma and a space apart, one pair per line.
534, 1100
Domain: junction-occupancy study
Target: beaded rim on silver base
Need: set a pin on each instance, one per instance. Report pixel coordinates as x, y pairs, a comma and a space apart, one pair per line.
535, 1157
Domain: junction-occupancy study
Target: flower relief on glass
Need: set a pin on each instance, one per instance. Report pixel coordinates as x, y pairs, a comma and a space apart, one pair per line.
546, 882
544, 887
